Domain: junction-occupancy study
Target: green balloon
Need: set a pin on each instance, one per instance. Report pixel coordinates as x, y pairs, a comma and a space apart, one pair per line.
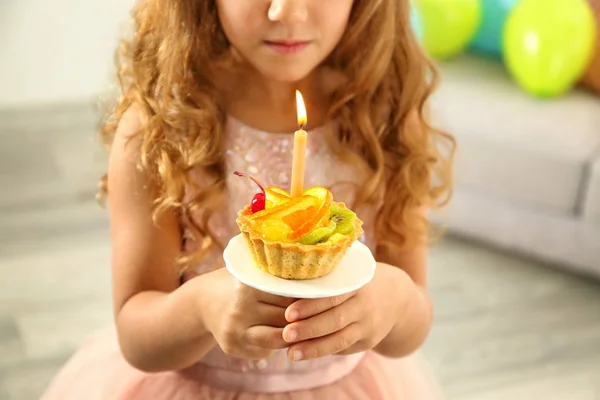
449, 25
548, 44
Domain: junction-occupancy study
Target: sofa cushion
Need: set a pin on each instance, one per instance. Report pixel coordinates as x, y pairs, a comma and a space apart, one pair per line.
512, 145
592, 205
561, 240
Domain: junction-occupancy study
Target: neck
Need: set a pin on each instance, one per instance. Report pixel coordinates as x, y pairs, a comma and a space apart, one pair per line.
276, 96
271, 105
280, 96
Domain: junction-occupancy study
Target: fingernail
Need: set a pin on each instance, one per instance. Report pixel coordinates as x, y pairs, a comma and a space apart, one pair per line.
294, 315
292, 336
297, 355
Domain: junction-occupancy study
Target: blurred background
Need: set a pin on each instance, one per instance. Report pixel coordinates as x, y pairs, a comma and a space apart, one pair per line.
515, 282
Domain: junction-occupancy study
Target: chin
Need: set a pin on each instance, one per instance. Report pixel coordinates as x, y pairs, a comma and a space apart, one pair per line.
286, 78
284, 73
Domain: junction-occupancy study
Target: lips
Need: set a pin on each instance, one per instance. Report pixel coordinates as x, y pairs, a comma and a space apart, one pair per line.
287, 47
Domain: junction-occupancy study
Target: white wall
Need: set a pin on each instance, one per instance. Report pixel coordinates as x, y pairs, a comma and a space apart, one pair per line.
57, 50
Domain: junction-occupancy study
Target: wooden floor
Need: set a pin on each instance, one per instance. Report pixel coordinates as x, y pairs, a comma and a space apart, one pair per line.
505, 328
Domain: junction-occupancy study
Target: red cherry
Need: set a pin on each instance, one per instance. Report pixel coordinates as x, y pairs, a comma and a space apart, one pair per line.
258, 202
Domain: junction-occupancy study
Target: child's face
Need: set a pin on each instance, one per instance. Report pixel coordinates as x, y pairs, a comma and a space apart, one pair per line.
284, 39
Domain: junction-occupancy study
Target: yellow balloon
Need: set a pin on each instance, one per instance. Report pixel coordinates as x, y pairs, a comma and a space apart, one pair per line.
449, 25
548, 44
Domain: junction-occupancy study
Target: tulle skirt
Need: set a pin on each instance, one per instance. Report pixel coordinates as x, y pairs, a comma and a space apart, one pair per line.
98, 371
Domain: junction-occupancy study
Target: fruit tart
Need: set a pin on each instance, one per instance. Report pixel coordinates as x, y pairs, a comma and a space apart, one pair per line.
298, 238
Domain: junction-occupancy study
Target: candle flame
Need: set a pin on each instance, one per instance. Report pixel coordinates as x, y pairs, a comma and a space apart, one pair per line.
301, 110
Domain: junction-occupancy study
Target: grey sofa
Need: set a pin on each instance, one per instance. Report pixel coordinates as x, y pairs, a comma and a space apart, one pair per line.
527, 170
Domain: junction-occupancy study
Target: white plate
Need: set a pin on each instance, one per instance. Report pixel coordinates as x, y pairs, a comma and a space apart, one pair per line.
355, 270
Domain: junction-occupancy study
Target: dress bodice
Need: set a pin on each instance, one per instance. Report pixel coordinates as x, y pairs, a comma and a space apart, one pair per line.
268, 157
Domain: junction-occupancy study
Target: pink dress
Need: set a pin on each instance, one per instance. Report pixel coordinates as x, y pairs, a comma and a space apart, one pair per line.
99, 371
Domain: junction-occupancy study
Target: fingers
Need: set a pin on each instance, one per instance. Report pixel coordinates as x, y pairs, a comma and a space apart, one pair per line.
327, 345
266, 314
251, 353
357, 347
326, 323
306, 308
272, 299
266, 337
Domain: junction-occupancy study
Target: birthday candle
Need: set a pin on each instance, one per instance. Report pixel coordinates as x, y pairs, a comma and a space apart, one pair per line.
300, 139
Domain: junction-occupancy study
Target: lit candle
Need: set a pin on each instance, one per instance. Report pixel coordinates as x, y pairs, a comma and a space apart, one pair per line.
299, 149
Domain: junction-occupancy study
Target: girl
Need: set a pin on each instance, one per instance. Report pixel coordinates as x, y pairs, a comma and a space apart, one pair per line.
206, 87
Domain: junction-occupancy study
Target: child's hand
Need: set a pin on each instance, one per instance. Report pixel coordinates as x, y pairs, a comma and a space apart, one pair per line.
346, 324
245, 322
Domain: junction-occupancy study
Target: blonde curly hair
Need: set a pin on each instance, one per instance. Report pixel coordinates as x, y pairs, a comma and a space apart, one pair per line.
166, 70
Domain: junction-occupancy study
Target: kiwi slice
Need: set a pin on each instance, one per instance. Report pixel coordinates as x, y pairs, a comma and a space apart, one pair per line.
343, 218
318, 235
336, 237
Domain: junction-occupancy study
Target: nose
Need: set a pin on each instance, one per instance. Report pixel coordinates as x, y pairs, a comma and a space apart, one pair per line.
288, 11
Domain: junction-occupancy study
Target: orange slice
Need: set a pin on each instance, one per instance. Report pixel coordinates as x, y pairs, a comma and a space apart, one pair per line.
316, 191
275, 230
316, 216
275, 196
297, 218
278, 191
287, 209
292, 218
